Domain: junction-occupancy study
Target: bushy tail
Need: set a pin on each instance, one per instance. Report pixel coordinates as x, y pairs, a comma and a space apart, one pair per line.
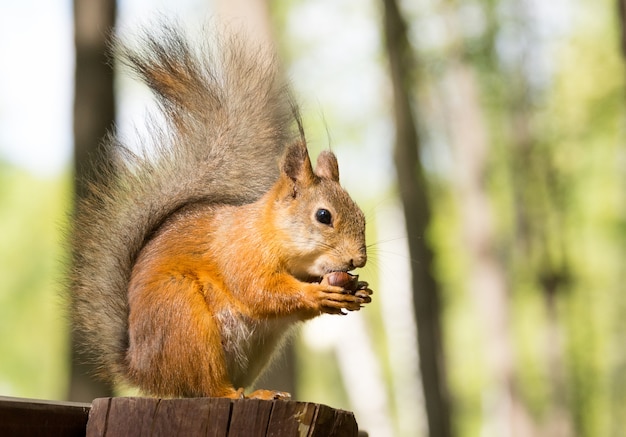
228, 116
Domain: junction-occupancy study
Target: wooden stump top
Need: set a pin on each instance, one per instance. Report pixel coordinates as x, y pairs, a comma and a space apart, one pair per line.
216, 417
211, 417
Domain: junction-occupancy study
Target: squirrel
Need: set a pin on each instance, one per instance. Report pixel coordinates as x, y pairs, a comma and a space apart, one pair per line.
194, 256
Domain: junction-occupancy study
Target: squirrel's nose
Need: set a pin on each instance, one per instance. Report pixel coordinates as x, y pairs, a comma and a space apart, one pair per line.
358, 261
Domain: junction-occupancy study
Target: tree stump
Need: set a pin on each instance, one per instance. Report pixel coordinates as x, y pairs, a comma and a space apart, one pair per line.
216, 417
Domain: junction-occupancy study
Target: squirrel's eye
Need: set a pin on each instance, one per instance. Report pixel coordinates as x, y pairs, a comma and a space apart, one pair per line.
324, 216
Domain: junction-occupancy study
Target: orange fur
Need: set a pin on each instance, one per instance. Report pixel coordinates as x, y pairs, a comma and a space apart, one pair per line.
212, 271
193, 260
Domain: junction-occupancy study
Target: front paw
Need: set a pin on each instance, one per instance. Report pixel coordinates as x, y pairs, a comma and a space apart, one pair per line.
363, 291
350, 283
332, 299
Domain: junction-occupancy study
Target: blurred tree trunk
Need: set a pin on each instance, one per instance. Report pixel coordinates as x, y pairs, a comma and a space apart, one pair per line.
618, 406
621, 8
253, 18
94, 114
539, 210
417, 212
504, 413
541, 207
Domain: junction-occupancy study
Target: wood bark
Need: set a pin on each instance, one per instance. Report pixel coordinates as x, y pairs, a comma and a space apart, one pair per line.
28, 417
169, 417
216, 417
417, 213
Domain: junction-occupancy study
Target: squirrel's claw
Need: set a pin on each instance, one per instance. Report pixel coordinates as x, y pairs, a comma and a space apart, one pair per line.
269, 395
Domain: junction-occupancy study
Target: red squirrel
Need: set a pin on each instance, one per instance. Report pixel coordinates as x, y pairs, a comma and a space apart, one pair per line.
193, 257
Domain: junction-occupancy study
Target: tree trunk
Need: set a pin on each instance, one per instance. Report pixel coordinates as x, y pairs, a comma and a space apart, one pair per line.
541, 210
417, 213
505, 413
94, 113
621, 8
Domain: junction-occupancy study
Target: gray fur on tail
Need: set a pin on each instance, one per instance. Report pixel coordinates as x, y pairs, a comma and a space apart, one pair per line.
228, 117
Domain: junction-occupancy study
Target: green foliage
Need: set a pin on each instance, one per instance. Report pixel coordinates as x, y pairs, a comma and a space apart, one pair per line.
555, 179
558, 196
33, 331
591, 114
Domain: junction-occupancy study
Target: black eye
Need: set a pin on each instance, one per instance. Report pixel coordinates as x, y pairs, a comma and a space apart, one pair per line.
324, 216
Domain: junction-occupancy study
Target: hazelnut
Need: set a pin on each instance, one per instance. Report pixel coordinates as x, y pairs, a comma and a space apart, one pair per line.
344, 280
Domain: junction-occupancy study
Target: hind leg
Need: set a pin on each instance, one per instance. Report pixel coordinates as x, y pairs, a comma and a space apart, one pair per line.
175, 345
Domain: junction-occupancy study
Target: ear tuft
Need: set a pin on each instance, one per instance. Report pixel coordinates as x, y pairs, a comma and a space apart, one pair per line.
327, 166
296, 163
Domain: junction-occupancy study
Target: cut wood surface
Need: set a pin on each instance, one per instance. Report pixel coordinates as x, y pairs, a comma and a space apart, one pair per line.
216, 417
211, 417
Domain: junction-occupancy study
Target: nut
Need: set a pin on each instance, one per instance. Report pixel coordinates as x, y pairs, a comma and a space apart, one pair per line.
344, 280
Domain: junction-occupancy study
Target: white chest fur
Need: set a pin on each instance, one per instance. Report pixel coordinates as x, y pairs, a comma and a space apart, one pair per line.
249, 345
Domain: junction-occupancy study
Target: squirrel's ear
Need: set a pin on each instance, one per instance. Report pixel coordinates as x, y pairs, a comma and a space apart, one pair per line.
297, 164
327, 166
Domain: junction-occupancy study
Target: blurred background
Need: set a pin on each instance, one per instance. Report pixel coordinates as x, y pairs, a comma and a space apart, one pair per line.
484, 141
